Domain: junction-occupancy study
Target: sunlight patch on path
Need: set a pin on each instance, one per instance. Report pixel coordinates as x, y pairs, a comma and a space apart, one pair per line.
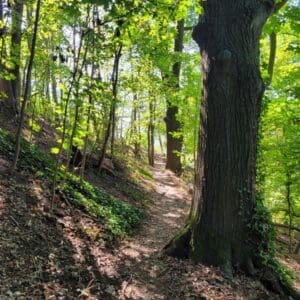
140, 262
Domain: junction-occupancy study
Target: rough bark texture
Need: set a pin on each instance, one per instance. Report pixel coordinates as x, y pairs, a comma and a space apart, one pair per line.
174, 143
218, 232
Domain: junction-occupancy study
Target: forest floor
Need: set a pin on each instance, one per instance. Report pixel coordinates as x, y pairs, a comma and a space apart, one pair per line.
143, 272
61, 256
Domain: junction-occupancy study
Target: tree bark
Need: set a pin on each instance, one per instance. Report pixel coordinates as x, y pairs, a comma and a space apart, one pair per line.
173, 126
272, 56
112, 111
16, 38
224, 198
135, 121
150, 132
220, 229
290, 207
1, 11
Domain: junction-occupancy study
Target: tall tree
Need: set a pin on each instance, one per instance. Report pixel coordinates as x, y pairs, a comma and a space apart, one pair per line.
16, 39
173, 126
220, 228
27, 86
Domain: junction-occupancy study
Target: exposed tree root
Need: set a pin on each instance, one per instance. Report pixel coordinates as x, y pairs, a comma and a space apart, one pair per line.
179, 247
180, 244
271, 280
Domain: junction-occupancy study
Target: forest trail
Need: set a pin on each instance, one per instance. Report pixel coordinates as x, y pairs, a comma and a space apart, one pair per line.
138, 269
62, 256
142, 264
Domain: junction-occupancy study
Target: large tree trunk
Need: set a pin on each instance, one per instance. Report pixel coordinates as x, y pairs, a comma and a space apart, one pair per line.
217, 232
173, 126
220, 228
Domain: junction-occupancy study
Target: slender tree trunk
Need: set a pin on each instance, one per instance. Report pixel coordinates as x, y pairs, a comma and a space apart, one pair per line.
16, 38
160, 143
65, 114
77, 105
2, 32
173, 126
151, 132
224, 198
86, 138
27, 86
1, 14
54, 87
115, 81
2, 28
137, 145
6, 85
272, 56
90, 103
112, 111
290, 207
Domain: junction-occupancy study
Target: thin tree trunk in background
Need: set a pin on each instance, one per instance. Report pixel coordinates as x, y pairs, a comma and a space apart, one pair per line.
160, 143
54, 87
16, 39
112, 110
47, 83
65, 115
173, 126
6, 85
86, 138
137, 146
272, 56
151, 132
290, 207
27, 86
90, 102
2, 32
115, 79
77, 105
1, 13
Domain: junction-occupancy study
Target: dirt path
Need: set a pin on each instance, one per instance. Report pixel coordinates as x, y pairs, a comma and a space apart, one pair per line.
143, 264
139, 270
46, 257
138, 265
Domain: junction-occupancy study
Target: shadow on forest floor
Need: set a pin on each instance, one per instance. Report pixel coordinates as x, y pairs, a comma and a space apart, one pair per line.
67, 255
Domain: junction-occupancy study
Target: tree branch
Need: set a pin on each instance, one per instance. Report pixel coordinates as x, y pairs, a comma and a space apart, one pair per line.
286, 226
188, 28
279, 5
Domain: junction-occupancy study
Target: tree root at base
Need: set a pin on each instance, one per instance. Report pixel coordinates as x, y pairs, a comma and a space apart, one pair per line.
179, 247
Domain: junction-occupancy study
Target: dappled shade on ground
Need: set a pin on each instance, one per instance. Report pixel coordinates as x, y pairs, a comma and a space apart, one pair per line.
68, 255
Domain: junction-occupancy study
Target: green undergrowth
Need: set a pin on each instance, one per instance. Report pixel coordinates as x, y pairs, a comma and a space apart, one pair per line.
30, 159
131, 191
119, 217
134, 171
263, 230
